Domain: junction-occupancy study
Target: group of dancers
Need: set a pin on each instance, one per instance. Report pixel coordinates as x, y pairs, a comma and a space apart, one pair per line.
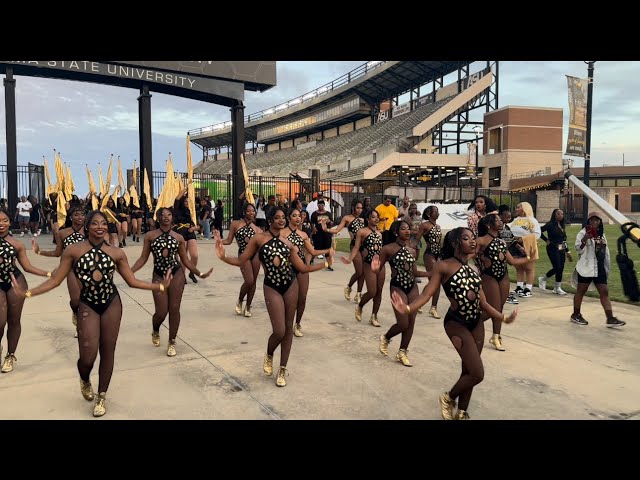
88, 261
285, 252
463, 266
471, 271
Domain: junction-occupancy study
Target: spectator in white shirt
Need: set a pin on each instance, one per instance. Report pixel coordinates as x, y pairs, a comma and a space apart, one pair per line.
23, 209
313, 206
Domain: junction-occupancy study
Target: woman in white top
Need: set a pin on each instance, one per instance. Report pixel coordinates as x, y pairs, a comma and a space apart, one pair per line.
593, 266
261, 214
526, 226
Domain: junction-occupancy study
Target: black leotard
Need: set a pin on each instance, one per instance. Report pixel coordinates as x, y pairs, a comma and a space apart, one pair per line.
297, 240
402, 270
165, 250
242, 236
373, 244
496, 253
433, 239
75, 237
355, 225
8, 256
279, 277
96, 293
464, 289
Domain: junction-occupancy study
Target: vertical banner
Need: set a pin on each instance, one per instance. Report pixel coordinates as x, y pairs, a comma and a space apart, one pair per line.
471, 160
577, 135
36, 181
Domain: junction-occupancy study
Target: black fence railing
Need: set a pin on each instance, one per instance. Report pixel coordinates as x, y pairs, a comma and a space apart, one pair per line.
571, 205
31, 181
341, 194
220, 187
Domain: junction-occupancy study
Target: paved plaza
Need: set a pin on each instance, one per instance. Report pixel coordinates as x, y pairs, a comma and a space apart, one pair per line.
552, 369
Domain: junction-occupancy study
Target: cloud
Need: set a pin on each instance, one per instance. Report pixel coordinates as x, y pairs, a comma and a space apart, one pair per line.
87, 122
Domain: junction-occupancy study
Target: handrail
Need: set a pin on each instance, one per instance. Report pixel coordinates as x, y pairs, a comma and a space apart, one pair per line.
316, 92
535, 173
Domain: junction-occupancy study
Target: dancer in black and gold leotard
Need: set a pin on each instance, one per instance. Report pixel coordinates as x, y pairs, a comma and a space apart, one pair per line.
403, 281
137, 213
94, 263
11, 302
369, 243
166, 246
494, 256
278, 257
243, 230
463, 286
183, 224
64, 238
306, 252
122, 212
432, 235
53, 201
354, 223
112, 225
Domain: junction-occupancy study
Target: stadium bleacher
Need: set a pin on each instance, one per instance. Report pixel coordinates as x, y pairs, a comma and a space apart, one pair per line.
396, 131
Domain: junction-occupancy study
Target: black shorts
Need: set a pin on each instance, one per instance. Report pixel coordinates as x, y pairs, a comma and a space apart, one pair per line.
186, 234
112, 228
601, 279
515, 251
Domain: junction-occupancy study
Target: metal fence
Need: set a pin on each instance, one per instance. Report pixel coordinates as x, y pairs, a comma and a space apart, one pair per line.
30, 182
220, 187
571, 205
341, 194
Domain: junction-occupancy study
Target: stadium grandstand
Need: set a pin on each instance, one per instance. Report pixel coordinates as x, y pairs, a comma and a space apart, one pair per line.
385, 121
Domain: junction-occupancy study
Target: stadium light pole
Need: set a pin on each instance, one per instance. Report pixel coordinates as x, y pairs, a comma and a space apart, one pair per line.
587, 154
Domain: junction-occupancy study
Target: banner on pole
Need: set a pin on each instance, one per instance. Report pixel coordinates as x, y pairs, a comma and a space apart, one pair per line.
577, 134
471, 160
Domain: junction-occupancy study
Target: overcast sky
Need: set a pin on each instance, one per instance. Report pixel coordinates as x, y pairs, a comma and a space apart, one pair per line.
87, 122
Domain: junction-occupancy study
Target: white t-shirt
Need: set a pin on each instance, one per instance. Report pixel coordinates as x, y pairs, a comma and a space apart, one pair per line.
23, 208
312, 207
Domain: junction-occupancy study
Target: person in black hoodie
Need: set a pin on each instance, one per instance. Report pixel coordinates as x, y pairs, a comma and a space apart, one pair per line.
557, 250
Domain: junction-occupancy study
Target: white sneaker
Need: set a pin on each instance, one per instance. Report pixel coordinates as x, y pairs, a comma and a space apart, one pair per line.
542, 283
559, 291
512, 299
21, 234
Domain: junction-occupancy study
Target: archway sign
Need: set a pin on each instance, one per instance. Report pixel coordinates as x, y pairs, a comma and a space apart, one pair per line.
222, 83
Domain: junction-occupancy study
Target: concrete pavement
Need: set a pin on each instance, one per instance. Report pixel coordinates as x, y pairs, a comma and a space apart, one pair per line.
552, 369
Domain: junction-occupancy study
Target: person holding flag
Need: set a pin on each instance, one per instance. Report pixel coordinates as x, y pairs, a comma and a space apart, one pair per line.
137, 212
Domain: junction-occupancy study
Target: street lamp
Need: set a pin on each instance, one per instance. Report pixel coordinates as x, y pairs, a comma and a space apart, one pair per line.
477, 129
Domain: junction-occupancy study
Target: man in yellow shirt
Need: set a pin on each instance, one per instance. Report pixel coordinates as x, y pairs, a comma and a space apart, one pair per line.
388, 214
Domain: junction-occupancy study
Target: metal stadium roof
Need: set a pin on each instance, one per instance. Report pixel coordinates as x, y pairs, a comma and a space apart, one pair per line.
373, 84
